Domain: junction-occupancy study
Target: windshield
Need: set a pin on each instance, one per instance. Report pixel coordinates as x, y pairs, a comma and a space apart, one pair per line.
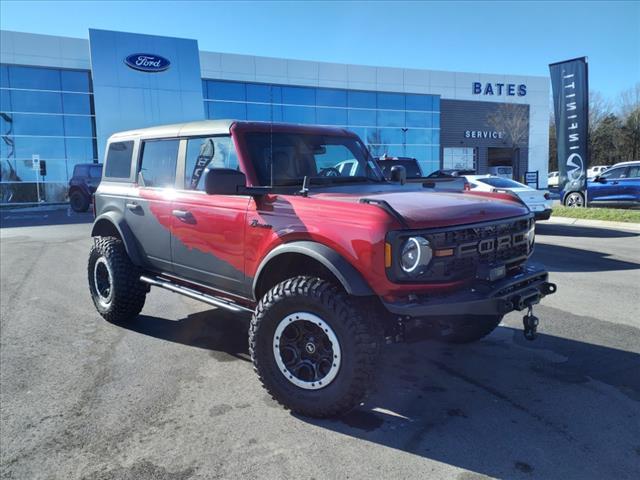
286, 158
499, 182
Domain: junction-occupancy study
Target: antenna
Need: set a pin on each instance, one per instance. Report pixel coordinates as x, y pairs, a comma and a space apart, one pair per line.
305, 187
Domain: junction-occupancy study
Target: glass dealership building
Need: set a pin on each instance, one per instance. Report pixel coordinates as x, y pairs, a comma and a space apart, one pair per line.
63, 97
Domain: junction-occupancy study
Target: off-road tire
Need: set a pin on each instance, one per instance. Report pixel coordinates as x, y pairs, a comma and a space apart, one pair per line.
359, 336
128, 292
469, 329
79, 202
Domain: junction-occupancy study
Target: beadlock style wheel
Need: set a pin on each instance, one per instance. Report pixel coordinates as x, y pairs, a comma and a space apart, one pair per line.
103, 281
306, 350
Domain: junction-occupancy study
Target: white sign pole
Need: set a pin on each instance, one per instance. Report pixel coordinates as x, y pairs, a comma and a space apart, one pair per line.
35, 164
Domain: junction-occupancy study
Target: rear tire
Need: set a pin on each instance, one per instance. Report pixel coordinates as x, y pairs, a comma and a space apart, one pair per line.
114, 282
79, 202
469, 329
294, 325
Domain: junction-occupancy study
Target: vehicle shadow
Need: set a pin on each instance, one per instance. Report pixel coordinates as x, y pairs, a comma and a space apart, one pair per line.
503, 407
558, 258
558, 230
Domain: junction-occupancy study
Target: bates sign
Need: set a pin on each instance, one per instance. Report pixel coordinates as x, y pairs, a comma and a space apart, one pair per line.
145, 62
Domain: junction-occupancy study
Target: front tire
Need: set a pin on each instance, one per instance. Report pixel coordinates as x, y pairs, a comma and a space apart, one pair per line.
312, 349
114, 282
574, 199
469, 329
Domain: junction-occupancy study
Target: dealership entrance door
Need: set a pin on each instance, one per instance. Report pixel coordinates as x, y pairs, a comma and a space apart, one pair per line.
502, 157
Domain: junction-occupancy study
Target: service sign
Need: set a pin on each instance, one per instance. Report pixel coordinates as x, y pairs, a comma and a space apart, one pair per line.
146, 62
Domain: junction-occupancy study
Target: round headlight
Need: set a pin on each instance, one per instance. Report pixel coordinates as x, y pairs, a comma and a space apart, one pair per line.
416, 253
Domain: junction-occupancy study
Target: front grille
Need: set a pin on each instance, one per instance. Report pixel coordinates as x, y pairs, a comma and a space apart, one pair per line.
500, 243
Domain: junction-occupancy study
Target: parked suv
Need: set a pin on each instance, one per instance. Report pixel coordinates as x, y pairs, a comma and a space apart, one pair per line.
618, 186
255, 217
82, 185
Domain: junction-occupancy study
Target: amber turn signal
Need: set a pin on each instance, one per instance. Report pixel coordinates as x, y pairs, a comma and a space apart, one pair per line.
387, 255
445, 252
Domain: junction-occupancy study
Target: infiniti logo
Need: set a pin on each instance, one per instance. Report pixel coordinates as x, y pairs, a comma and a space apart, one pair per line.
574, 166
146, 62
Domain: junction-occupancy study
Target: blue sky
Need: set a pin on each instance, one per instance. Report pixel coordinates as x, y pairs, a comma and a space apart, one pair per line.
494, 37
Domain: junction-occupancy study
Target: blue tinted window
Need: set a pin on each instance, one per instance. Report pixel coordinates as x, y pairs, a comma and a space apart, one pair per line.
419, 119
299, 95
419, 152
158, 165
419, 102
76, 103
56, 170
81, 148
388, 118
361, 99
45, 147
259, 112
391, 101
418, 135
436, 120
305, 115
361, 117
78, 126
331, 116
385, 135
30, 124
257, 92
41, 102
35, 78
204, 89
436, 103
361, 132
331, 97
4, 76
435, 154
5, 101
228, 110
226, 90
75, 81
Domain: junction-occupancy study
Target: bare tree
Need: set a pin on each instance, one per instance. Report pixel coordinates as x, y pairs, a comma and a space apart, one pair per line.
629, 105
599, 109
513, 120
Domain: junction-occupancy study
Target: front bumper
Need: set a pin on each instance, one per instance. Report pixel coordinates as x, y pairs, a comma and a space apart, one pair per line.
516, 292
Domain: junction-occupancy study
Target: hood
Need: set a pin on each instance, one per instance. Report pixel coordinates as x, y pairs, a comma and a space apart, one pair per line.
421, 209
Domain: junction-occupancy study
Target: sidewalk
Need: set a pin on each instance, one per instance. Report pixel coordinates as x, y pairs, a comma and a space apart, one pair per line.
630, 227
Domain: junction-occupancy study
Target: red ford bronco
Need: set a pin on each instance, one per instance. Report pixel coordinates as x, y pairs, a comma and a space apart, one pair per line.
255, 217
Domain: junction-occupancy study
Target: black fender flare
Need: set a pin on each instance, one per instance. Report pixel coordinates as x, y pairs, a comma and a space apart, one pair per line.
347, 275
116, 219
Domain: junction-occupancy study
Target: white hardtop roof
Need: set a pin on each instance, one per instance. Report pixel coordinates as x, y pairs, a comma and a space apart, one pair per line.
202, 127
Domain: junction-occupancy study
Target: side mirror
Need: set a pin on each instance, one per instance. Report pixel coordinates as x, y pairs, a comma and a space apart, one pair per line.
224, 181
398, 174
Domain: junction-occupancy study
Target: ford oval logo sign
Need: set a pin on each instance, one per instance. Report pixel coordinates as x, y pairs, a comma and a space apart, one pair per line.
145, 62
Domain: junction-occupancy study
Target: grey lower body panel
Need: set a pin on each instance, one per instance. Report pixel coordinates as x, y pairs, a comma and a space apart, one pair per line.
516, 292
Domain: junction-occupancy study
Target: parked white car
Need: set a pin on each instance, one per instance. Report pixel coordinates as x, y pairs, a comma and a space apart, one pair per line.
538, 201
596, 170
553, 179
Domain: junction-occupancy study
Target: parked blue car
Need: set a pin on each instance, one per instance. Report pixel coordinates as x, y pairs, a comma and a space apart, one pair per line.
619, 186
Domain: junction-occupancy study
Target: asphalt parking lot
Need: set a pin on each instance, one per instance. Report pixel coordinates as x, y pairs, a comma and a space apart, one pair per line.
173, 394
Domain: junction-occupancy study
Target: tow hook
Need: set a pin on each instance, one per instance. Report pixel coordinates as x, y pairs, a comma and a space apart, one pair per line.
530, 322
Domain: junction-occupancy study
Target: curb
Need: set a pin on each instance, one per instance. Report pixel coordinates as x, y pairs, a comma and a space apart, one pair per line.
583, 222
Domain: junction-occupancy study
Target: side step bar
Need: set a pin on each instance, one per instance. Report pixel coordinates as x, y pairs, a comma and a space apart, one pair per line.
191, 293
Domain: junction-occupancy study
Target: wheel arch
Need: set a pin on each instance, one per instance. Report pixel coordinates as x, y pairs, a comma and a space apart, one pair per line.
308, 255
112, 224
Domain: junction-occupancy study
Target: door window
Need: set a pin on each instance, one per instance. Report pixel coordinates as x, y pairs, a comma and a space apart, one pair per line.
615, 173
119, 160
158, 165
634, 171
204, 154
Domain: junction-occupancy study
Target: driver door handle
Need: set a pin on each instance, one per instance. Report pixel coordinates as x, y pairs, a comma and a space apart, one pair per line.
133, 206
182, 214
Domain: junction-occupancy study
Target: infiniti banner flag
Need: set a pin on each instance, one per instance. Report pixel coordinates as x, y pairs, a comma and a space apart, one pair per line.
569, 82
